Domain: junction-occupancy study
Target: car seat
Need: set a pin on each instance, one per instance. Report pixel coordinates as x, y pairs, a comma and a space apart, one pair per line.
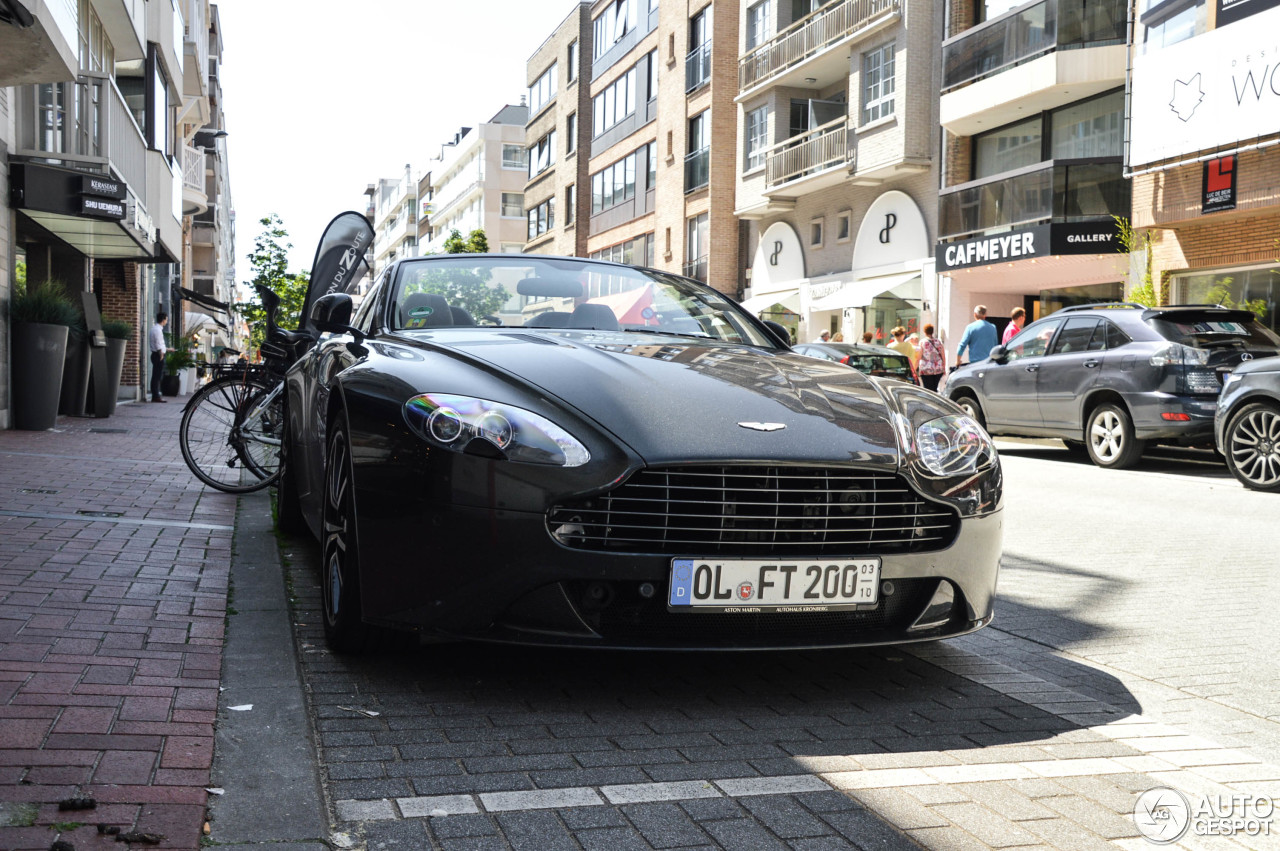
425, 310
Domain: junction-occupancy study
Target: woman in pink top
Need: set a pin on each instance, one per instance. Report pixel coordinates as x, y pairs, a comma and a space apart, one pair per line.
1017, 318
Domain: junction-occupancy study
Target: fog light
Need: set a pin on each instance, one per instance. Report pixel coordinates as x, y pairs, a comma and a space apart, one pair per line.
1176, 418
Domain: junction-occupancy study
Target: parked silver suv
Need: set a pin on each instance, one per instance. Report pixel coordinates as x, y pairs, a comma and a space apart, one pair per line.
1108, 378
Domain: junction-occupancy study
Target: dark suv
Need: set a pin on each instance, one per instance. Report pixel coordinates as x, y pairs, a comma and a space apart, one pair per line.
1107, 378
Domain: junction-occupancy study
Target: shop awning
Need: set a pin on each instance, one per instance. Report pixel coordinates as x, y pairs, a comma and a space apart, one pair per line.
790, 299
197, 321
205, 301
861, 293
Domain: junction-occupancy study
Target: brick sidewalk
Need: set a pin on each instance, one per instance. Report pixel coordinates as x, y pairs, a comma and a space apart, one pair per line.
114, 565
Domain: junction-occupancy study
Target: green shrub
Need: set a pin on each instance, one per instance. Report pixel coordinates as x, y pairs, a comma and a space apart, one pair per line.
45, 303
117, 329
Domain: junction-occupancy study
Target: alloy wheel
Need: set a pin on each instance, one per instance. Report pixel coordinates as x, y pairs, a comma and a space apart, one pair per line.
1253, 447
1106, 433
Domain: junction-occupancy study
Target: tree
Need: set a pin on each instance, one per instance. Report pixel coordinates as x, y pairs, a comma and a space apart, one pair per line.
270, 262
466, 288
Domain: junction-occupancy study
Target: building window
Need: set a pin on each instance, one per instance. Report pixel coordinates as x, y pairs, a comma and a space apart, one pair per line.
756, 133
636, 252
652, 151
542, 218
758, 19
542, 90
653, 74
697, 243
514, 156
570, 203
618, 19
570, 132
512, 204
613, 184
697, 163
571, 73
1091, 128
542, 154
614, 103
843, 222
877, 83
1010, 147
815, 233
1164, 24
697, 63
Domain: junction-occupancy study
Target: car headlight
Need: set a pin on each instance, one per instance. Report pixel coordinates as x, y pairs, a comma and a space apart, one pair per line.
946, 452
457, 422
953, 445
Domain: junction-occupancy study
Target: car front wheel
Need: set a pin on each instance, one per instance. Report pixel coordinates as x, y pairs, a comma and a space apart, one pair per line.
972, 408
1109, 438
1252, 446
344, 631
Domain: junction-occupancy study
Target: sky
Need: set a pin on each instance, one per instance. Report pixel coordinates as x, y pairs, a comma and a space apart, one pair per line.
321, 99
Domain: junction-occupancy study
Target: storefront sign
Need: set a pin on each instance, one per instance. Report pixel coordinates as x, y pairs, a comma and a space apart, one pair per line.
1218, 188
1208, 92
892, 233
779, 261
1001, 248
1084, 238
101, 207
103, 187
1230, 11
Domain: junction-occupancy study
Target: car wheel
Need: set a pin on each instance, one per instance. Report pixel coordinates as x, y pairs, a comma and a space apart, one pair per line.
1109, 438
1252, 444
344, 631
972, 408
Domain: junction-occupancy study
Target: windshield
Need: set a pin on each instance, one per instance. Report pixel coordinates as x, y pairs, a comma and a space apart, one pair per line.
561, 295
1235, 329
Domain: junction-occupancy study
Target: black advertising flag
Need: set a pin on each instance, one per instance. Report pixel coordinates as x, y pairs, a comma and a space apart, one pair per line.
339, 263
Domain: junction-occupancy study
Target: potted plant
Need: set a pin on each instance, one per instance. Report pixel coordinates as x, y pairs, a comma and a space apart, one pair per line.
41, 317
118, 333
175, 362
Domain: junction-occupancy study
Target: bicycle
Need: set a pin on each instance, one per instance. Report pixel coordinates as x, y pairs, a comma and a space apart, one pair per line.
232, 428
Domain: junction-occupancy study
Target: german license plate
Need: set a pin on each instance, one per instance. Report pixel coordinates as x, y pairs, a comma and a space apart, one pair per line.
755, 585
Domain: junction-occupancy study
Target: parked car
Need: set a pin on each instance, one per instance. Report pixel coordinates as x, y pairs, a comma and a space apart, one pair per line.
879, 361
559, 451
1247, 424
1108, 379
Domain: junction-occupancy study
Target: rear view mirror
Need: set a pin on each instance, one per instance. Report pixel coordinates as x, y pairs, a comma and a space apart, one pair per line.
779, 331
998, 354
550, 288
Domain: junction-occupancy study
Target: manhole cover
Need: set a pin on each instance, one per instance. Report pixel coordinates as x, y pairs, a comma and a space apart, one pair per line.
101, 513
109, 430
35, 490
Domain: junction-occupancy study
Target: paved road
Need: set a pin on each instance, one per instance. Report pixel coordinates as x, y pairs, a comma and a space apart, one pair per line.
1134, 647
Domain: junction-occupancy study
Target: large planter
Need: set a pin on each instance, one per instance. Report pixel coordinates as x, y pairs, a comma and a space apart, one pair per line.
115, 367
38, 354
170, 384
75, 378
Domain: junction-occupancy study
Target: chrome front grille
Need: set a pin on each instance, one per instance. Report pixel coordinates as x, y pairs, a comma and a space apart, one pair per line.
749, 510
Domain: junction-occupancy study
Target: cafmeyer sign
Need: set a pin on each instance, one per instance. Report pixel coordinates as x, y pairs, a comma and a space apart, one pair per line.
1207, 93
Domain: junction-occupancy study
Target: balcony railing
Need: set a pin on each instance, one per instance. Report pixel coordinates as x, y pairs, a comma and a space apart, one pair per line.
1067, 191
697, 268
819, 149
196, 33
697, 169
807, 36
697, 67
1029, 32
193, 169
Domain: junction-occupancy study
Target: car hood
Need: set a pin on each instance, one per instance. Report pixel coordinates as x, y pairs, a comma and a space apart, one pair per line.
675, 399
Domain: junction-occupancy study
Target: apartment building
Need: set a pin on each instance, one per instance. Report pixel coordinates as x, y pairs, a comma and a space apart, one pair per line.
393, 211
477, 183
1033, 105
628, 95
102, 107
1203, 150
837, 163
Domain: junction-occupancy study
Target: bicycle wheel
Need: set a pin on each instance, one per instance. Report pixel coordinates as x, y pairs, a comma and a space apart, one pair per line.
210, 434
258, 432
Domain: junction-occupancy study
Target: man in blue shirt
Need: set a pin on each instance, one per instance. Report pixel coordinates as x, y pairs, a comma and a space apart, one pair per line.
979, 337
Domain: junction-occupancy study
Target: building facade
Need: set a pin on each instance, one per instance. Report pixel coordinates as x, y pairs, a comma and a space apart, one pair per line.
1204, 152
837, 163
102, 106
1033, 107
393, 211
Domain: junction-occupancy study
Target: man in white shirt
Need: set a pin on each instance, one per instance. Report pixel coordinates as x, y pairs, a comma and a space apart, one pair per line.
155, 341
824, 337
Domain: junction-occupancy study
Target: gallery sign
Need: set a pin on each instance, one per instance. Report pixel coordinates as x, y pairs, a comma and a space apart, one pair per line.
1208, 92
1218, 186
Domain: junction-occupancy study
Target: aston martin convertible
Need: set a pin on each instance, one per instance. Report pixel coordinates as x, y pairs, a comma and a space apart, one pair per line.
559, 451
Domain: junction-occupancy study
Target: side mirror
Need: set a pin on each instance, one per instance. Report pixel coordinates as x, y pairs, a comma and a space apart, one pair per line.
332, 314
998, 354
779, 331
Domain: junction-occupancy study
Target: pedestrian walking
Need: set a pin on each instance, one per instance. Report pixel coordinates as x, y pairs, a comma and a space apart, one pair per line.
979, 337
155, 342
1017, 318
901, 346
838, 338
824, 337
868, 337
933, 360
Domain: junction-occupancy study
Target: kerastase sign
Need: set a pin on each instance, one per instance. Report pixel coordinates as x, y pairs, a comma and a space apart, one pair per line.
1207, 93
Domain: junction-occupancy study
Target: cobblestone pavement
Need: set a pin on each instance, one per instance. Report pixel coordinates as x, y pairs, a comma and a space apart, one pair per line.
113, 585
1123, 594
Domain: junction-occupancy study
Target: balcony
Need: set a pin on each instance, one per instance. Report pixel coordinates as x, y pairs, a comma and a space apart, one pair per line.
195, 45
194, 199
697, 67
697, 170
1030, 59
203, 234
696, 269
811, 161
808, 48
1056, 191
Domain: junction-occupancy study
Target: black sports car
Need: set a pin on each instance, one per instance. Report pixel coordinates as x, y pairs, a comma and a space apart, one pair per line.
560, 451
